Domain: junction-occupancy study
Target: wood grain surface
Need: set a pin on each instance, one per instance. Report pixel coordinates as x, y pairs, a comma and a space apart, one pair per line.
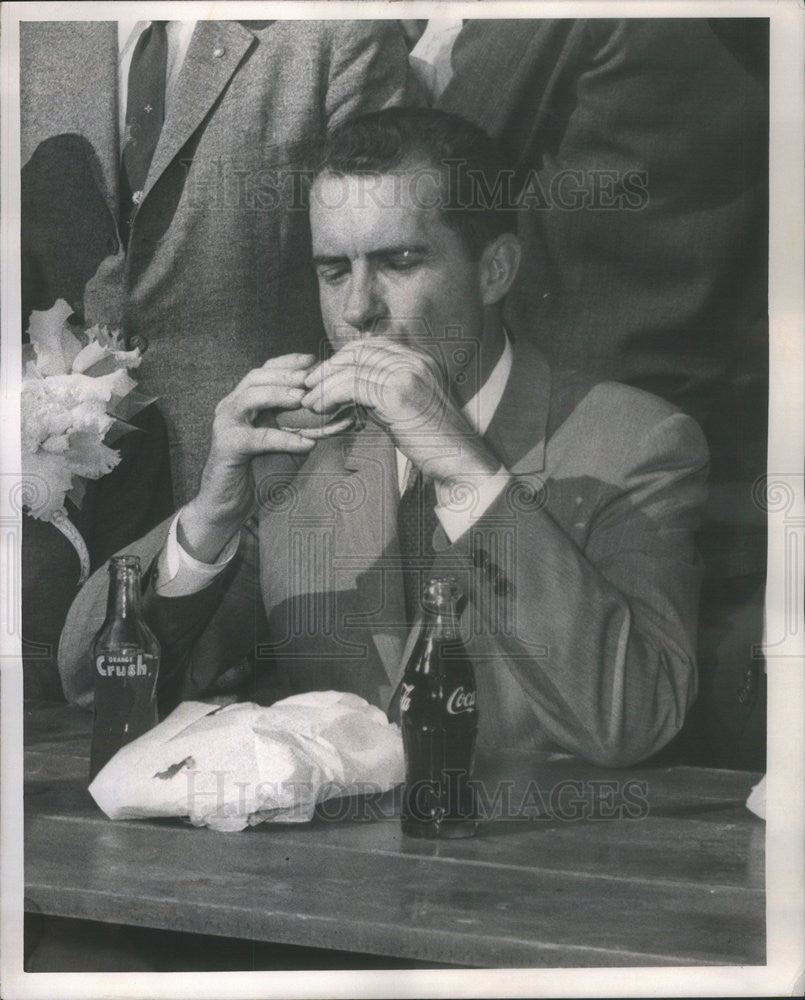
573, 866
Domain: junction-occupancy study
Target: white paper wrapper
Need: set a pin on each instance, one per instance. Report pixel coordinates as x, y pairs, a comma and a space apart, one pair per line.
228, 768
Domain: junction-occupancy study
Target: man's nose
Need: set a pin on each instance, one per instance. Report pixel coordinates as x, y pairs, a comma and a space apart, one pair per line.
364, 304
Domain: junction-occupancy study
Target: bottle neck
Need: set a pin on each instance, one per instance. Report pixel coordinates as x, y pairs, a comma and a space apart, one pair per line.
442, 620
124, 593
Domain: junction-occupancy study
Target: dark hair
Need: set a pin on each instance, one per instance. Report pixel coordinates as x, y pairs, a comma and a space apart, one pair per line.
475, 186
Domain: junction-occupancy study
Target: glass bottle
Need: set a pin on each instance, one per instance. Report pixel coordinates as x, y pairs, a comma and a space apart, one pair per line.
125, 653
439, 720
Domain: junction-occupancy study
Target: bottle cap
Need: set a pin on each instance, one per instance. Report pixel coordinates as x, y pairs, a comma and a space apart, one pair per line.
124, 562
440, 590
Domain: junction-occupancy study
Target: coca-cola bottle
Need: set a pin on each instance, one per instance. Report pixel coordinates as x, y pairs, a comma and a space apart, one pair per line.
439, 721
125, 653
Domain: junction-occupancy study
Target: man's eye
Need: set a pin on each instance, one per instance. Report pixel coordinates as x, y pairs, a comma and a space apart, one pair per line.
404, 261
332, 274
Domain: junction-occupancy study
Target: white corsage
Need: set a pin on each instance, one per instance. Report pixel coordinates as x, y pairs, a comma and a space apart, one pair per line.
69, 396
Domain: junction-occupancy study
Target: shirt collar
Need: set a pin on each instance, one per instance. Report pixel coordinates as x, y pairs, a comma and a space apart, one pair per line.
129, 30
481, 408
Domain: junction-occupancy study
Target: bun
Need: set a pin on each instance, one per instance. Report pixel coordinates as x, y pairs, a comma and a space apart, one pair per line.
303, 418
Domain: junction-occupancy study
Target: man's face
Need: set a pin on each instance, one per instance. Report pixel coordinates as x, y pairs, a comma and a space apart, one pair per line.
389, 266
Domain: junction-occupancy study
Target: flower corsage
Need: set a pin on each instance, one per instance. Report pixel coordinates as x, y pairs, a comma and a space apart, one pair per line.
76, 398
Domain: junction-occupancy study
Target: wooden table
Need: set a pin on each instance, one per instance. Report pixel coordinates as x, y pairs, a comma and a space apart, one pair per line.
591, 867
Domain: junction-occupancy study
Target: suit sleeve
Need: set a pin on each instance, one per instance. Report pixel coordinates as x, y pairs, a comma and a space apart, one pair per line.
202, 636
86, 616
534, 64
207, 636
597, 620
369, 70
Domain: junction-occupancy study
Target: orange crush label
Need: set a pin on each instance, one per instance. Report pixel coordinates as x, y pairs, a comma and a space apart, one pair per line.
124, 665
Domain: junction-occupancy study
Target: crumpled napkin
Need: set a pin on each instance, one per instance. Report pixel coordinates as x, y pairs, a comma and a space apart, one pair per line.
244, 764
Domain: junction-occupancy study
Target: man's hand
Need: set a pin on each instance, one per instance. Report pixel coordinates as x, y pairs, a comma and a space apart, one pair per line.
244, 427
404, 389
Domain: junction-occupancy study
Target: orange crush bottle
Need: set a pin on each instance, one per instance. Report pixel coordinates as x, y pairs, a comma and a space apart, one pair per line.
125, 653
439, 723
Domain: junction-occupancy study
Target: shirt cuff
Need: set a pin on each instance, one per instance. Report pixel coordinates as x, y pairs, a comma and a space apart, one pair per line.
180, 574
461, 507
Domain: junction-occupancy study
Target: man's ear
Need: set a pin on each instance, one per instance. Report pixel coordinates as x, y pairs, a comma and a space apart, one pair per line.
498, 269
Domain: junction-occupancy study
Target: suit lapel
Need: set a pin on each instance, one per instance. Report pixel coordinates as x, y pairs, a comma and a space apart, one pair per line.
216, 50
108, 146
55, 55
518, 440
352, 481
373, 529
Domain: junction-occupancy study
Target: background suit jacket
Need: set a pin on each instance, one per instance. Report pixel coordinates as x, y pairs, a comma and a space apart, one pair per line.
217, 275
582, 577
643, 144
645, 260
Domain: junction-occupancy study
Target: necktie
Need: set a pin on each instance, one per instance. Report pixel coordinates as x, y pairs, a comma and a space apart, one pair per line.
145, 113
416, 522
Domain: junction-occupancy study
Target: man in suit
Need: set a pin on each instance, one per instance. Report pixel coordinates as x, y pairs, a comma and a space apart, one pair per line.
564, 509
206, 254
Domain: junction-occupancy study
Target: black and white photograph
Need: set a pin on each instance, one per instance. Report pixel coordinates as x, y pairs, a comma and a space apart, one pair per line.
402, 499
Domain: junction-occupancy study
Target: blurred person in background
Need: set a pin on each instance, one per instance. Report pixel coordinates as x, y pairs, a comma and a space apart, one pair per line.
639, 151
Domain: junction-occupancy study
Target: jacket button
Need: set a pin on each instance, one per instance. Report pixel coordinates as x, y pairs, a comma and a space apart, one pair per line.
218, 52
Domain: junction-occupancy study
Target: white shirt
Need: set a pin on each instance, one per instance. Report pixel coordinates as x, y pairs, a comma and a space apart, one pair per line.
479, 411
430, 58
128, 32
180, 574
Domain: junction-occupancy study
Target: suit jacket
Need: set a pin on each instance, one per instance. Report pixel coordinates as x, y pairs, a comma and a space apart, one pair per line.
66, 227
217, 274
581, 578
641, 150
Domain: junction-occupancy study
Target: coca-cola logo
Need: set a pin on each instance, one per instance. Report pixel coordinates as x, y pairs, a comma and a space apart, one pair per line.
460, 701
405, 696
